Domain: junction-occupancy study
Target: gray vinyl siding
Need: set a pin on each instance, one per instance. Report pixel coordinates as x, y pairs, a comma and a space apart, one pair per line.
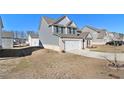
64, 21
46, 35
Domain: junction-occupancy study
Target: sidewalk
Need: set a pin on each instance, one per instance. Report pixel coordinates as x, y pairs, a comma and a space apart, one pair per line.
99, 55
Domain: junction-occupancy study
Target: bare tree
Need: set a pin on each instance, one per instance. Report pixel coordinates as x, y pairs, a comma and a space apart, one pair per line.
114, 63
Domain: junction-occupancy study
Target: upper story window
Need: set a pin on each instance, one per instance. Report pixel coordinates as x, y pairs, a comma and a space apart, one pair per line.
74, 30
69, 30
59, 29
56, 30
62, 30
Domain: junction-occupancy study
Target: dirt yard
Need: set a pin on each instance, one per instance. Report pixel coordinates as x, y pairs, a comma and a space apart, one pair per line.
108, 48
48, 64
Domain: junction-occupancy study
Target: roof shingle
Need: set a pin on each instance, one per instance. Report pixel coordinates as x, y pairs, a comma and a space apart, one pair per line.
7, 34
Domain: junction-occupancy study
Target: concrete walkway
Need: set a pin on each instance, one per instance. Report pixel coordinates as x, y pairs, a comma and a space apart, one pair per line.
99, 55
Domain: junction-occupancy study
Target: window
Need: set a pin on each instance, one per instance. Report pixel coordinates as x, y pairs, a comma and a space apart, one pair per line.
62, 30
69, 30
74, 30
56, 29
59, 29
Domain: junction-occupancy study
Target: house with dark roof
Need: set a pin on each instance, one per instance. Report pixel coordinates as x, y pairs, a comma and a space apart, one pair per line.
100, 36
7, 40
61, 34
1, 27
33, 39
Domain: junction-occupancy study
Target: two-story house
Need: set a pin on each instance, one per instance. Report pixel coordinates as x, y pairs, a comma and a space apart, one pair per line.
60, 34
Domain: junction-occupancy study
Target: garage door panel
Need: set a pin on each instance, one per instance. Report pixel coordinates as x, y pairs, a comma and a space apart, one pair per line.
72, 45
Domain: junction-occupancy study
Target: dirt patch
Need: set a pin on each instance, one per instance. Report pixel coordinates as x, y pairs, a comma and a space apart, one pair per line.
48, 64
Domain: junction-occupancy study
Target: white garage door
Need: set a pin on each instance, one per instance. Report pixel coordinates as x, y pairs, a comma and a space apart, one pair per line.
72, 45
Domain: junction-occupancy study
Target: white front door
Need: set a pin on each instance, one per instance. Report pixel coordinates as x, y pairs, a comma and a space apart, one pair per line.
72, 45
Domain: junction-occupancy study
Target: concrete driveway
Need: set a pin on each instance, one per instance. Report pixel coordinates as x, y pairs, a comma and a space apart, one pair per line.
99, 55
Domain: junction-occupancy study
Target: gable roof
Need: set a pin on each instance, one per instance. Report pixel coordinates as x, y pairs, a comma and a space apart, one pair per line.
59, 19
101, 32
7, 34
68, 24
55, 22
71, 24
95, 29
91, 27
1, 22
84, 34
49, 20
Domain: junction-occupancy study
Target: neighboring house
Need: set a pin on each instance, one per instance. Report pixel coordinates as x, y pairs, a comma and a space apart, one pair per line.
116, 36
7, 40
100, 36
111, 36
1, 26
33, 39
87, 39
61, 34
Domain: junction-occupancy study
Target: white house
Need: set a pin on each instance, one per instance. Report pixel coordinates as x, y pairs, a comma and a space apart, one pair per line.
61, 34
100, 36
33, 39
7, 40
1, 26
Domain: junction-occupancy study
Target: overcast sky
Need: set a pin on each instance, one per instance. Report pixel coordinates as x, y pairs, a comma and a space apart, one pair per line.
25, 22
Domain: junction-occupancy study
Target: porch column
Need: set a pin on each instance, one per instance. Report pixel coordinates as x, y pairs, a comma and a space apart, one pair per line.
83, 43
66, 30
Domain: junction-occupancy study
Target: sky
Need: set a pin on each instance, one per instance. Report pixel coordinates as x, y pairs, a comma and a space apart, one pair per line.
30, 22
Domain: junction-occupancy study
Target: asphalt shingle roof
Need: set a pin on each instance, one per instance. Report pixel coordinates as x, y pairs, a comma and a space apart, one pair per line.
83, 35
55, 22
49, 20
101, 32
7, 34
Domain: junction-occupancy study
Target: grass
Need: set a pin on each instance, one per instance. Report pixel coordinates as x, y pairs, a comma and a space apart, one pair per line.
22, 65
108, 48
48, 64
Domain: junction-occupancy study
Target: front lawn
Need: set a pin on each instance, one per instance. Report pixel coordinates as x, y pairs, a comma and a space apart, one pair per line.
108, 48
